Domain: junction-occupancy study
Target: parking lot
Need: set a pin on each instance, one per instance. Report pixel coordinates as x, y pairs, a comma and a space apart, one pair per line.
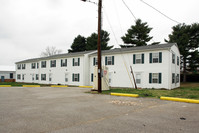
61, 110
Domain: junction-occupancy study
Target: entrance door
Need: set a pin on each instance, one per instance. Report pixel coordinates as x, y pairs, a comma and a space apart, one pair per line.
2, 78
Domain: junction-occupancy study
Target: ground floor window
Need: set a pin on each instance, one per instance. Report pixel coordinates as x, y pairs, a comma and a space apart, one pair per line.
91, 77
23, 76
138, 78
155, 78
19, 76
173, 78
37, 77
43, 77
75, 77
66, 77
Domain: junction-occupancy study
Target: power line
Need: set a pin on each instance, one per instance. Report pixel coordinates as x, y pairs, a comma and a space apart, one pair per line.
160, 12
129, 9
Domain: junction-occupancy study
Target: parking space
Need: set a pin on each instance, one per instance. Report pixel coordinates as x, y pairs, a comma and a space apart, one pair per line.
61, 110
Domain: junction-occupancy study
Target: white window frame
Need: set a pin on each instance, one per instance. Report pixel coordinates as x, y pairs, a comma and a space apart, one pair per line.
138, 59
43, 77
75, 61
109, 60
155, 57
33, 65
173, 58
75, 77
138, 78
53, 63
63, 62
155, 76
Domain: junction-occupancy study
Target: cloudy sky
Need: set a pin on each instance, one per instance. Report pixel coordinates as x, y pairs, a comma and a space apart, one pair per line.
27, 27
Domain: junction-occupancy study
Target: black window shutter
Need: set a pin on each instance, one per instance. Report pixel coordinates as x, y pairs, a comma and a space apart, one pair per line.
50, 63
160, 57
112, 60
133, 58
91, 77
66, 61
106, 60
160, 78
142, 58
73, 61
78, 61
73, 77
150, 58
61, 62
55, 63
150, 77
94, 61
78, 77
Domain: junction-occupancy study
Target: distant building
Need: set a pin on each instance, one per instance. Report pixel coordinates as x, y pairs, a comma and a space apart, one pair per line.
154, 66
7, 76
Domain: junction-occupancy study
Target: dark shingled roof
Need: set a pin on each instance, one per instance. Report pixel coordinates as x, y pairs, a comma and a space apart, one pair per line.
104, 52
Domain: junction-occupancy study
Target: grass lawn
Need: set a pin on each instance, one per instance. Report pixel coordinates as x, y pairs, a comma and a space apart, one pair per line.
20, 84
187, 90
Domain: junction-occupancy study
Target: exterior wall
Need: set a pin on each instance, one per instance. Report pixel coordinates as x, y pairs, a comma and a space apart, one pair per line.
175, 69
57, 73
119, 72
6, 76
120, 75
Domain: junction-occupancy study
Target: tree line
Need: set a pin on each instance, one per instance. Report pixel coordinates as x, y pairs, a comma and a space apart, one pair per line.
186, 37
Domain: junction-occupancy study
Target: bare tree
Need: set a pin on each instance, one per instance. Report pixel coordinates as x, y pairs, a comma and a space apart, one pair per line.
51, 51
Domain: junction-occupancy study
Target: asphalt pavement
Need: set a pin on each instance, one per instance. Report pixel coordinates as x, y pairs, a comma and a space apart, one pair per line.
70, 110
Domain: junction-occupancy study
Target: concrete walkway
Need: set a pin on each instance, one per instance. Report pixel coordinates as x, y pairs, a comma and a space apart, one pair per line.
70, 110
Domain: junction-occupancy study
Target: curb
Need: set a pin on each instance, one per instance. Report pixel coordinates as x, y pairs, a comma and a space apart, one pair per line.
86, 86
30, 85
180, 99
124, 94
58, 86
5, 85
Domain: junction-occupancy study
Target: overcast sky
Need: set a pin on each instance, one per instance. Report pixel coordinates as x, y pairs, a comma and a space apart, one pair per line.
27, 27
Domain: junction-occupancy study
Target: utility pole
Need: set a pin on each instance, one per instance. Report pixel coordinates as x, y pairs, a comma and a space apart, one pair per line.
99, 44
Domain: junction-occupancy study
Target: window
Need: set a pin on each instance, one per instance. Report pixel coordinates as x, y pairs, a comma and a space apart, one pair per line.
43, 64
138, 58
138, 78
19, 66
178, 61
37, 65
37, 77
95, 61
11, 75
53, 63
63, 62
75, 77
155, 78
33, 65
173, 78
66, 77
91, 77
23, 76
50, 76
155, 57
76, 61
33, 77
109, 60
23, 66
177, 78
173, 58
43, 77
19, 76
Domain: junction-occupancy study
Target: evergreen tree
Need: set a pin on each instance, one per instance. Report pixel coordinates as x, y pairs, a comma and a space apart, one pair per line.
79, 44
137, 35
92, 41
187, 38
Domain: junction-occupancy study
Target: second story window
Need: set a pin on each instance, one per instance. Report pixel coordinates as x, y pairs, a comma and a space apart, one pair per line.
23, 66
19, 66
155, 57
37, 64
173, 58
76, 61
95, 61
19, 76
53, 63
138, 58
109, 60
43, 64
178, 61
33, 65
63, 62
